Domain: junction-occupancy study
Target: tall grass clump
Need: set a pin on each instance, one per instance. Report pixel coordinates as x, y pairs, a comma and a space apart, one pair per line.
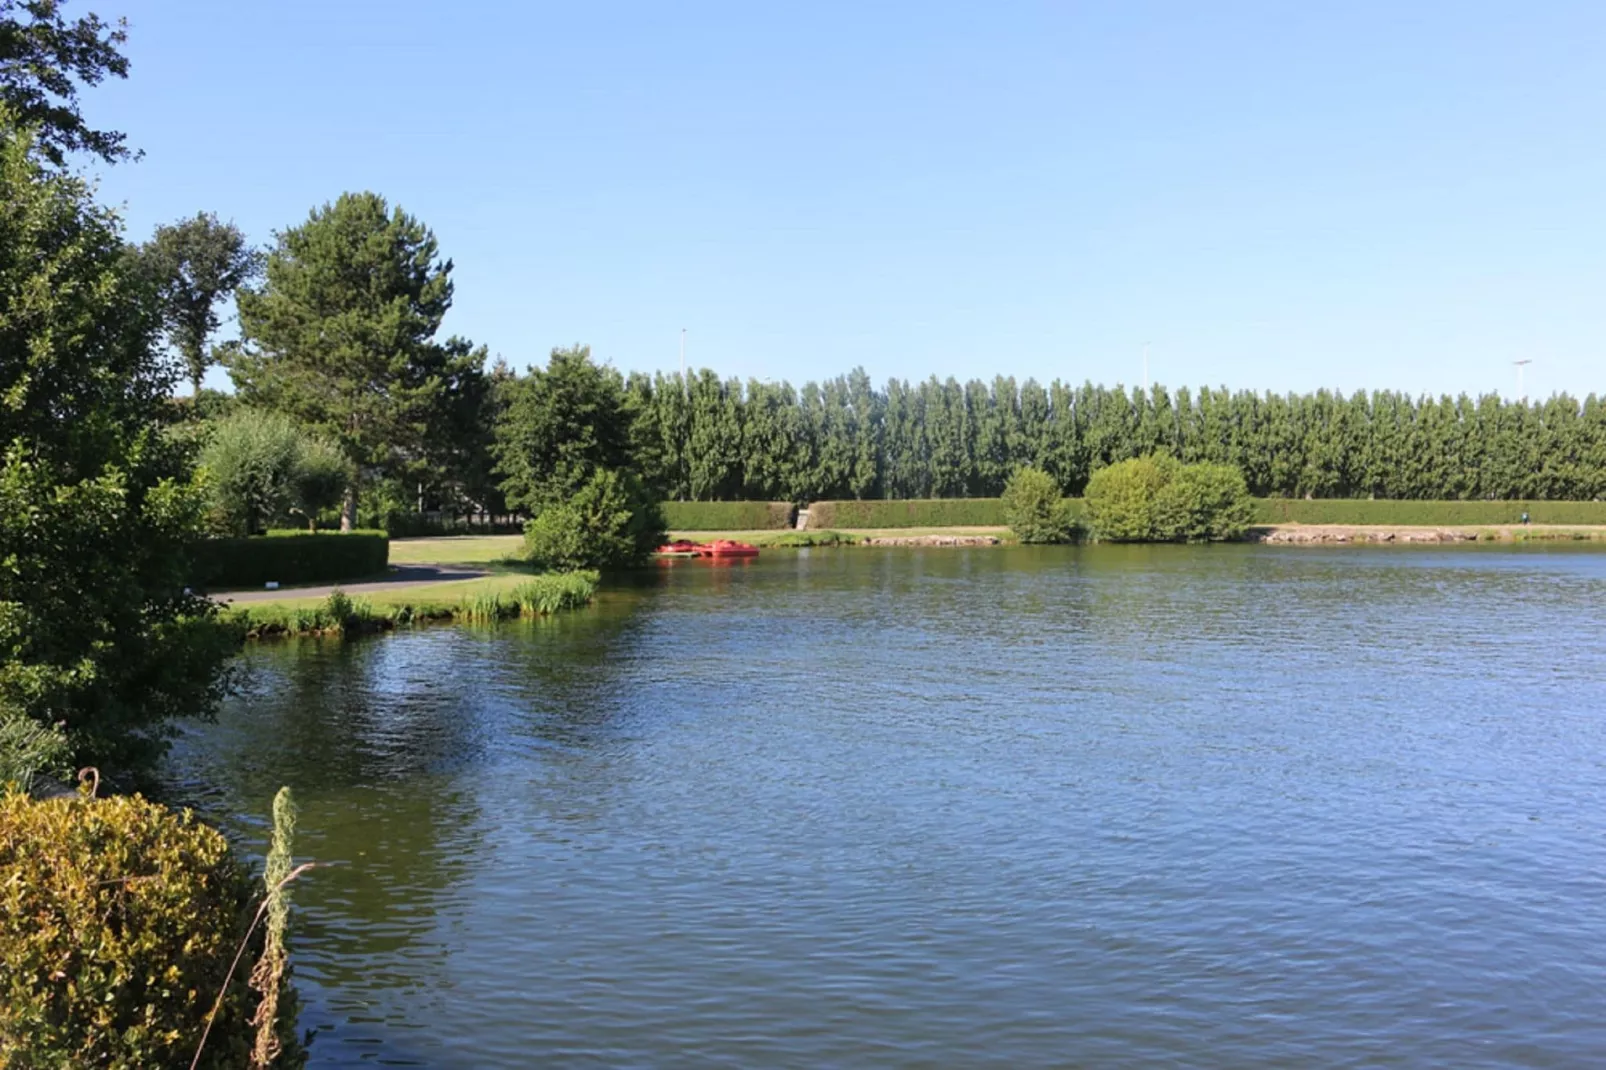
337, 614
487, 607
28, 750
554, 592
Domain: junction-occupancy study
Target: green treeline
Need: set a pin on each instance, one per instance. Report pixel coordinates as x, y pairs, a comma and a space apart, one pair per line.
710, 439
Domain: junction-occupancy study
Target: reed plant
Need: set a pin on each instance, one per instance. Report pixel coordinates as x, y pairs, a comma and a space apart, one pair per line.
341, 615
554, 592
273, 964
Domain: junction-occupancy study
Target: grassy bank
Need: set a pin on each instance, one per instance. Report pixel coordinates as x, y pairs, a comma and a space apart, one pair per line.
492, 598
500, 551
479, 550
989, 512
1315, 534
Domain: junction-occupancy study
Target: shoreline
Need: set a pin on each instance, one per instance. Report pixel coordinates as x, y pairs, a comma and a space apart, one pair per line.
1393, 534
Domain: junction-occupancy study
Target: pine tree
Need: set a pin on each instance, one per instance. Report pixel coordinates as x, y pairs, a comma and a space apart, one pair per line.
341, 335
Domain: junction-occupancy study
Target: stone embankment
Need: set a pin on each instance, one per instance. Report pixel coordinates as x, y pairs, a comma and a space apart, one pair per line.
932, 540
1309, 536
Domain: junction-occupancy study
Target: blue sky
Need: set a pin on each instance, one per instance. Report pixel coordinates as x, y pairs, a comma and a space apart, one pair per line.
1274, 195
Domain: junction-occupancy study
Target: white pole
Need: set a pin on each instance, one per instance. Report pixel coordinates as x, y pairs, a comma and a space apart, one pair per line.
1522, 394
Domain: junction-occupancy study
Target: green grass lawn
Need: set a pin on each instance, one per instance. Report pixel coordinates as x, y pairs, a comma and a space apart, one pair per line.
420, 594
489, 551
770, 538
456, 550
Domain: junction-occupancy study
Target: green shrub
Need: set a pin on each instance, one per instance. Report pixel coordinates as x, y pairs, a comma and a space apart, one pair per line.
1203, 502
1121, 498
1034, 510
261, 468
728, 516
911, 513
608, 523
1159, 499
1423, 513
118, 923
289, 557
322, 475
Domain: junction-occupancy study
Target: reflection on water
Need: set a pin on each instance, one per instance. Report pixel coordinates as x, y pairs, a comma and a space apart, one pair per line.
1229, 806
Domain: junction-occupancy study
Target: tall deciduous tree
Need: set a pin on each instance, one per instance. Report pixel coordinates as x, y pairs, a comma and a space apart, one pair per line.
559, 426
565, 445
44, 58
98, 637
195, 264
341, 335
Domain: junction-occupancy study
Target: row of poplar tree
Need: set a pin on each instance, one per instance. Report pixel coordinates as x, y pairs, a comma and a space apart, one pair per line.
339, 330
703, 438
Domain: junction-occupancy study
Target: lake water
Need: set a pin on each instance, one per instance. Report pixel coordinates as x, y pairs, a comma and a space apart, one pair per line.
1154, 806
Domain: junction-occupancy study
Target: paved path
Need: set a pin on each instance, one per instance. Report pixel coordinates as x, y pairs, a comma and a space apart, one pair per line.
401, 577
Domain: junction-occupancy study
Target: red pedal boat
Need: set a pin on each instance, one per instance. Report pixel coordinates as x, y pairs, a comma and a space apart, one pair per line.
678, 548
726, 548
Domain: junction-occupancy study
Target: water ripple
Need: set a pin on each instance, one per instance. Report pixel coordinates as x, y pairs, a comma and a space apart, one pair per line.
1152, 806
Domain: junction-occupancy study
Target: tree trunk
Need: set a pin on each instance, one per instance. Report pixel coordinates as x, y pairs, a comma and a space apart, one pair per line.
348, 510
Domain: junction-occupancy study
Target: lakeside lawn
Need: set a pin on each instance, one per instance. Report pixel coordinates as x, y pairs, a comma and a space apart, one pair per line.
502, 551
490, 551
415, 594
478, 550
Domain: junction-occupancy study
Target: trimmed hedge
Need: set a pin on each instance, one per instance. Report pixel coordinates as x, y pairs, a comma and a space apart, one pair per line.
118, 921
910, 513
728, 516
1423, 513
290, 557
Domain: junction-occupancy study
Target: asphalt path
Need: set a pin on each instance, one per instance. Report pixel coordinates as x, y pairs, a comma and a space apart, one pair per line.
401, 578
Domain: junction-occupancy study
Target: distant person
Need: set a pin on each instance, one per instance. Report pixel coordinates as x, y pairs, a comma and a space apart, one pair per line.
1525, 518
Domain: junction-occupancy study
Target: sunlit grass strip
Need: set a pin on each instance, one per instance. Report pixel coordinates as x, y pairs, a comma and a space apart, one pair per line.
457, 550
480, 602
